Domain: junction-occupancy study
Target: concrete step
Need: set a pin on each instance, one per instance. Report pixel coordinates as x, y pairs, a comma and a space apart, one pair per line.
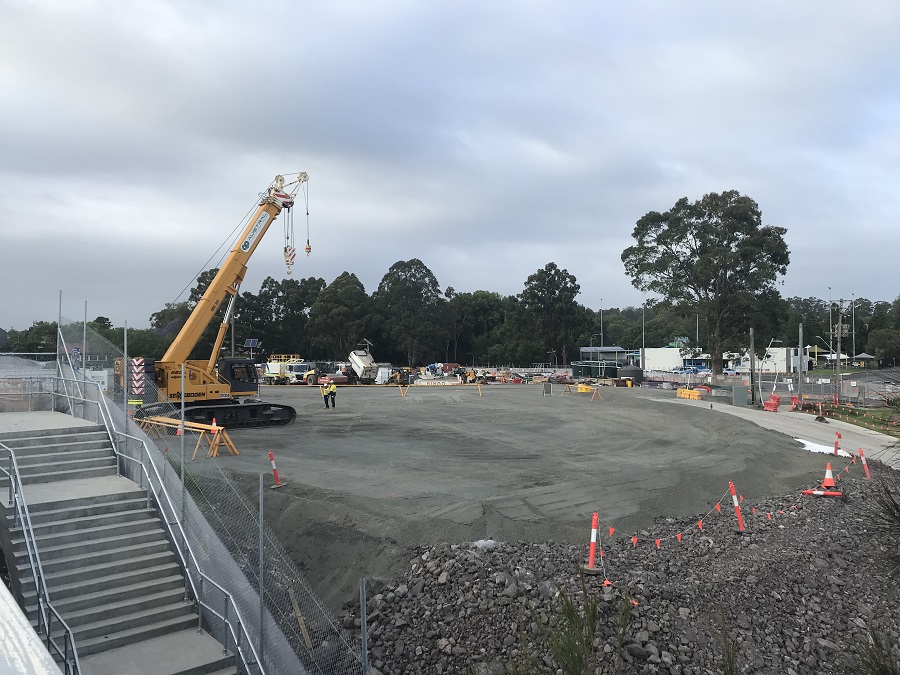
128, 612
85, 536
185, 652
54, 458
40, 436
103, 635
68, 445
64, 524
77, 582
74, 562
80, 551
65, 502
73, 512
66, 463
95, 600
52, 476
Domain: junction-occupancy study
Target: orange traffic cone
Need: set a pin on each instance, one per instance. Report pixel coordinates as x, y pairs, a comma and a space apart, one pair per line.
215, 429
829, 477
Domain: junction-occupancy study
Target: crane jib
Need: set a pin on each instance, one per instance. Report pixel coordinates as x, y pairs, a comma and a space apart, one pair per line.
255, 230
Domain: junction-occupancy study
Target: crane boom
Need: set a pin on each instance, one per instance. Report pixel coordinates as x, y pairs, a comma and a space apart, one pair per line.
227, 282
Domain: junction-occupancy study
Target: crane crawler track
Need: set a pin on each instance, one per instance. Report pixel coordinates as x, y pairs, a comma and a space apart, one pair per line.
244, 415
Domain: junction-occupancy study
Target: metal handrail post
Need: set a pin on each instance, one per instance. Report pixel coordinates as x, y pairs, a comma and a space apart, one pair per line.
225, 645
200, 607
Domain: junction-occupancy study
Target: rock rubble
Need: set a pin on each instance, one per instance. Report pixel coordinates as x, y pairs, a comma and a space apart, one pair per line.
796, 594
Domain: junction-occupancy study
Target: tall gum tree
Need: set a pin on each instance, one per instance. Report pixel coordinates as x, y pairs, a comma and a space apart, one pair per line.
715, 255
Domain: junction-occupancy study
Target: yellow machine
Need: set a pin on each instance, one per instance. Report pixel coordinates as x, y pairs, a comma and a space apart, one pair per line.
222, 388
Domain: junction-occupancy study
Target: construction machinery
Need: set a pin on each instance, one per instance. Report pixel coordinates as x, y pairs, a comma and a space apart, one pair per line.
363, 367
224, 389
284, 369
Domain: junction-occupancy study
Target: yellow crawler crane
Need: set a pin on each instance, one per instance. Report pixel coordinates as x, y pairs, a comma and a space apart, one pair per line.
225, 389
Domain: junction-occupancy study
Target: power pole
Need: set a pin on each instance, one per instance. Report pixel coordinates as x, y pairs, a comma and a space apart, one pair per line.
837, 363
801, 362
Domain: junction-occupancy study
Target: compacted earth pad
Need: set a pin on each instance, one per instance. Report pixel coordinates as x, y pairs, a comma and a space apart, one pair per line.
384, 472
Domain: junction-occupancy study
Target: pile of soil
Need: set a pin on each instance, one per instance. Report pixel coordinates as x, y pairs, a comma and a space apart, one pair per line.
799, 592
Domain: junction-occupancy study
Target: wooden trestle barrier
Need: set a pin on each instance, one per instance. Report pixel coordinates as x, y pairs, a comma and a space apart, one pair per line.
215, 436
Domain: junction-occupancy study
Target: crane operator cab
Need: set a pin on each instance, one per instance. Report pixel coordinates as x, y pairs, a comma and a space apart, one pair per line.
241, 375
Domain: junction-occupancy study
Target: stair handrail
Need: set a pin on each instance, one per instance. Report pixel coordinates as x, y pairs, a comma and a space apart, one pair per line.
21, 515
193, 558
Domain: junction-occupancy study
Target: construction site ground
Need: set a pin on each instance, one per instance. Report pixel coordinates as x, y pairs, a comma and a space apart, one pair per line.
382, 471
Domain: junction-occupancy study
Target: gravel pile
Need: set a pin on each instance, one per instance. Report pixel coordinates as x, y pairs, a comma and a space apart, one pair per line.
796, 595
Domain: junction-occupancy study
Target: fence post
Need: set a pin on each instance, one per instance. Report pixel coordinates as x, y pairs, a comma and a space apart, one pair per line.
262, 588
363, 627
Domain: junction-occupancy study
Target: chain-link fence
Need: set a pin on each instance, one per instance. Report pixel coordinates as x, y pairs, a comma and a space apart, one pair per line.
233, 512
293, 632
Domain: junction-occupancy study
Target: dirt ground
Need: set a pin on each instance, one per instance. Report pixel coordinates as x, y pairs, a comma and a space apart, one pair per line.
383, 472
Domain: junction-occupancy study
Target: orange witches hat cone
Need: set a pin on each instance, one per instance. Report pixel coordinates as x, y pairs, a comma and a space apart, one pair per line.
829, 477
215, 428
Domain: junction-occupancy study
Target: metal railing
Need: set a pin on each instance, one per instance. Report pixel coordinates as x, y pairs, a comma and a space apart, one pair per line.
235, 631
68, 400
239, 636
46, 614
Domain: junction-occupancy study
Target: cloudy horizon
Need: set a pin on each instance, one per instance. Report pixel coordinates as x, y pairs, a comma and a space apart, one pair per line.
485, 139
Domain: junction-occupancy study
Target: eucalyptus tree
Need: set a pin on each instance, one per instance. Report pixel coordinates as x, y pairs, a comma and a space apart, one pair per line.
713, 255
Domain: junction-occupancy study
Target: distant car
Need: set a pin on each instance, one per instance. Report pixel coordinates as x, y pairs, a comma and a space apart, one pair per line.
335, 378
729, 371
687, 370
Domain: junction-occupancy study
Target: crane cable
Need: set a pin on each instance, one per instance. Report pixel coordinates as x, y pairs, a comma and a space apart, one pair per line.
290, 253
306, 203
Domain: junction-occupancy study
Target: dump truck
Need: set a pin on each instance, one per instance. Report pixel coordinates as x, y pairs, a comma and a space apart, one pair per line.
363, 366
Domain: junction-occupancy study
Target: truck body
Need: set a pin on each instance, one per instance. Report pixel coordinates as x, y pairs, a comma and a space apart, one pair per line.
283, 369
364, 366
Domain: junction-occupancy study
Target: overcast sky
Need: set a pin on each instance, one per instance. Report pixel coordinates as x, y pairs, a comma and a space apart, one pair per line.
484, 138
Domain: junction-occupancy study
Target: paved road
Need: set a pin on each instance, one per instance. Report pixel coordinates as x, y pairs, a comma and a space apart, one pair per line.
875, 445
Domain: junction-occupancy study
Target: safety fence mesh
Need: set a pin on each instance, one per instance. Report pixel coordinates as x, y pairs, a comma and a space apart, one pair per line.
294, 632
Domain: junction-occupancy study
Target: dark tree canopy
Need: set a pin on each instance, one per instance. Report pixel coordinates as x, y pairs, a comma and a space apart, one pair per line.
715, 256
548, 302
341, 316
410, 303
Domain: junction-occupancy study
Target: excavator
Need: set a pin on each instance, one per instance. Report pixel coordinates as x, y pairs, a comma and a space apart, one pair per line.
223, 389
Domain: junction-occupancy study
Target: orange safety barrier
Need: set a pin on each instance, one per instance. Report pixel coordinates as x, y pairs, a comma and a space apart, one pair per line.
772, 404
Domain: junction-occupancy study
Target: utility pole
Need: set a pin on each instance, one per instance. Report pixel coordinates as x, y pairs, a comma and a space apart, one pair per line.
601, 322
801, 362
853, 321
837, 363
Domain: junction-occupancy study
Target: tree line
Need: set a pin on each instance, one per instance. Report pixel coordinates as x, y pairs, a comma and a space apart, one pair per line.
710, 269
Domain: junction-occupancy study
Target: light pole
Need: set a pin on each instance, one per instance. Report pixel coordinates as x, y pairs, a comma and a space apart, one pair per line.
762, 360
554, 357
601, 322
643, 334
592, 353
473, 358
830, 322
853, 321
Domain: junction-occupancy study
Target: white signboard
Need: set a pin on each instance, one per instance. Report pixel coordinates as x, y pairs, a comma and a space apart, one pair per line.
100, 377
